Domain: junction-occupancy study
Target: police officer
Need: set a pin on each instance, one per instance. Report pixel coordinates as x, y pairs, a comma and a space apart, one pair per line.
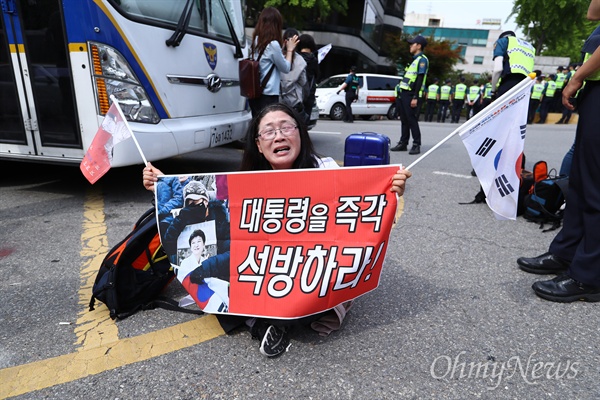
566, 112
445, 98
411, 86
397, 101
534, 101
547, 98
472, 97
351, 86
433, 96
513, 61
561, 80
460, 92
487, 94
574, 254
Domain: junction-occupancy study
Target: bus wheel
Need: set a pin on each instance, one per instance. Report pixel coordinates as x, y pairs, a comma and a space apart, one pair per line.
337, 112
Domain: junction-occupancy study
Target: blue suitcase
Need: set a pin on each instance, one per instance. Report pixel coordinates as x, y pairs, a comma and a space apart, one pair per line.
367, 148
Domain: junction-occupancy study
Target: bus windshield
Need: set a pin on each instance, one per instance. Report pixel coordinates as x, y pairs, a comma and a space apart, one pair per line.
207, 18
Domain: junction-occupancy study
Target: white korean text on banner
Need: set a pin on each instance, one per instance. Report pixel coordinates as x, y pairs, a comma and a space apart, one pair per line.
280, 244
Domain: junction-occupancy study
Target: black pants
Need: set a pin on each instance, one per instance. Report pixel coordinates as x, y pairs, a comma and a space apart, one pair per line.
443, 110
430, 112
408, 117
579, 239
545, 108
456, 109
350, 97
533, 106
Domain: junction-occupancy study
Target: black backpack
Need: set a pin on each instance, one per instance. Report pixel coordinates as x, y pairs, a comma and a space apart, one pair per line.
548, 194
135, 272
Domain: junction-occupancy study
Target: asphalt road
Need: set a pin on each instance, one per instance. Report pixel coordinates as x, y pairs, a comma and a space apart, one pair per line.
453, 317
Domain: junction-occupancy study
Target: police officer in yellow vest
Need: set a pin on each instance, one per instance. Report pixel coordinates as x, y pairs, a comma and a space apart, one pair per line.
473, 96
561, 80
433, 96
534, 101
445, 98
460, 92
487, 94
411, 86
513, 61
547, 98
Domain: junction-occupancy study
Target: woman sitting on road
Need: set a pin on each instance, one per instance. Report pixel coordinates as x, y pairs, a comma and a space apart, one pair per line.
277, 139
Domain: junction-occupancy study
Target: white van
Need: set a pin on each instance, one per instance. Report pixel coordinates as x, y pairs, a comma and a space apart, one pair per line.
375, 96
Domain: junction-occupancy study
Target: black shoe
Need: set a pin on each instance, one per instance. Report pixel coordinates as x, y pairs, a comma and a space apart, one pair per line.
399, 147
416, 149
473, 173
275, 342
565, 289
559, 121
350, 122
544, 264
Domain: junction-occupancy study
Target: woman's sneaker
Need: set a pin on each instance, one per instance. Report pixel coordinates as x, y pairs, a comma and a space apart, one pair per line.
275, 342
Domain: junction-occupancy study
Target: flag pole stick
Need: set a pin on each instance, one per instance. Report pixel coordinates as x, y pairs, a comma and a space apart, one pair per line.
476, 119
116, 103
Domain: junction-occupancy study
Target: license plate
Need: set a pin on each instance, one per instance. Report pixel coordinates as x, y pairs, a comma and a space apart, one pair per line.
221, 134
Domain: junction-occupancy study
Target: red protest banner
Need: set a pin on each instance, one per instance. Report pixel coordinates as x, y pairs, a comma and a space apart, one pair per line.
299, 242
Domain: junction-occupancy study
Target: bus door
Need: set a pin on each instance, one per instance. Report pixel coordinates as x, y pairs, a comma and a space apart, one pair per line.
37, 107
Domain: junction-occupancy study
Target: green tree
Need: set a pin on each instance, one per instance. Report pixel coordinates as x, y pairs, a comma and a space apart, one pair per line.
297, 12
442, 57
554, 27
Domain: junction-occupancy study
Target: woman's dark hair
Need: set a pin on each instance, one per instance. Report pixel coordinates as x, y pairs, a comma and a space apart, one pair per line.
288, 33
306, 42
254, 160
197, 233
268, 28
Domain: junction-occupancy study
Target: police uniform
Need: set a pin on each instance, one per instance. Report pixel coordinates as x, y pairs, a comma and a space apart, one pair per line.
460, 92
561, 79
487, 95
547, 99
408, 93
518, 58
445, 97
578, 242
352, 83
534, 101
473, 94
432, 95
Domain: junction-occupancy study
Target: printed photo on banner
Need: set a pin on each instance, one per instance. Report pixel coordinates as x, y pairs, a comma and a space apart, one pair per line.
280, 244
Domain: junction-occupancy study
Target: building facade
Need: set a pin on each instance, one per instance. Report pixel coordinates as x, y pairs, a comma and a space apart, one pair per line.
356, 37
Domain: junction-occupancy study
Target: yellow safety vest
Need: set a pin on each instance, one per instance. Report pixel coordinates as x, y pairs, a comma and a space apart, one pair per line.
536, 91
432, 91
596, 75
445, 92
459, 91
521, 56
487, 91
550, 89
560, 80
410, 75
473, 92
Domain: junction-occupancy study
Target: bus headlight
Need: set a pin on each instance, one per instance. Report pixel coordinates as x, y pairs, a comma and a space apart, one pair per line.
113, 76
